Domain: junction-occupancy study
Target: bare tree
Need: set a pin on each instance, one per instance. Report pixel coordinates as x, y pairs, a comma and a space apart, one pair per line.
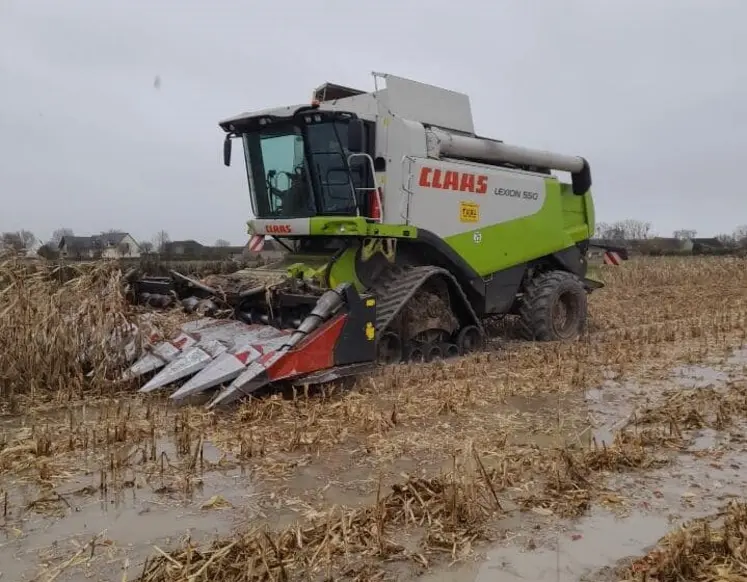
146, 246
123, 249
685, 234
161, 240
740, 235
17, 241
601, 230
221, 242
635, 229
58, 234
613, 232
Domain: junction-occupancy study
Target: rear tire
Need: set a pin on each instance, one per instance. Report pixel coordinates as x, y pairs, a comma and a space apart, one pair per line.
545, 299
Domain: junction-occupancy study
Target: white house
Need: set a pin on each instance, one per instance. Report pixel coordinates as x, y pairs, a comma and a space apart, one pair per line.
108, 245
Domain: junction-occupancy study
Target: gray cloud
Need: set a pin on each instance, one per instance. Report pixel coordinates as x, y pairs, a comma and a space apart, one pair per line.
652, 93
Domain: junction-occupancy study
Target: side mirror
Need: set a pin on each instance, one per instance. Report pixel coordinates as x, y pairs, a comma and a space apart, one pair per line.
227, 150
355, 136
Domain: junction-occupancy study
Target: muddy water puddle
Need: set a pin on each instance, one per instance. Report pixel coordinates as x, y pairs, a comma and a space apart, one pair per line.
122, 498
118, 515
110, 505
642, 507
590, 548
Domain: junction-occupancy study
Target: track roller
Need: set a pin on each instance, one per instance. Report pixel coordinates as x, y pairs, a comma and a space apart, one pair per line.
416, 354
450, 350
389, 349
469, 339
433, 352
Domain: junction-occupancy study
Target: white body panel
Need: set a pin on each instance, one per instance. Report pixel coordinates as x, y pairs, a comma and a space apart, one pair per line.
401, 98
428, 104
449, 197
280, 227
420, 124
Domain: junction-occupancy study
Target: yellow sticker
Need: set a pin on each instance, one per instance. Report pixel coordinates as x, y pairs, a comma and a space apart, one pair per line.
469, 212
370, 331
370, 302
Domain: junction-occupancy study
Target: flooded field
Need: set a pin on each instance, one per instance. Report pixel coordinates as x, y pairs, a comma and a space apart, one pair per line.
528, 462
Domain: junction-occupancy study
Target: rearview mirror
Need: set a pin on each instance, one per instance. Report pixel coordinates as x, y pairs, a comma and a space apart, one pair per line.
227, 151
355, 136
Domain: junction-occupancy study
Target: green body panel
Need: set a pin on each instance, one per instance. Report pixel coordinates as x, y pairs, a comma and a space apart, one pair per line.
357, 226
312, 267
320, 269
343, 270
562, 222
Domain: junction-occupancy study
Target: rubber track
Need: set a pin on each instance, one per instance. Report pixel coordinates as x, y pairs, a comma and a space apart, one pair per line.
397, 286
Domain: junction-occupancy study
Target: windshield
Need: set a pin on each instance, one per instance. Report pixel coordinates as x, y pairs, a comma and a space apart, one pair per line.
277, 173
280, 175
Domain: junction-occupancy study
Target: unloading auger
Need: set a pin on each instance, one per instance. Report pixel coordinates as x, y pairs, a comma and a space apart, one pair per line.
404, 231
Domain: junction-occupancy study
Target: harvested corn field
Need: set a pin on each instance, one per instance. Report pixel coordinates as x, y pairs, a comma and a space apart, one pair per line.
539, 461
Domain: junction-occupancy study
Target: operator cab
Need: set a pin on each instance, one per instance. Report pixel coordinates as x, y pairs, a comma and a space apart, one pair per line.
299, 165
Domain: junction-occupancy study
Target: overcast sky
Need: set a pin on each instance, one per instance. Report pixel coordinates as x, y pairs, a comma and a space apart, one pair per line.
653, 93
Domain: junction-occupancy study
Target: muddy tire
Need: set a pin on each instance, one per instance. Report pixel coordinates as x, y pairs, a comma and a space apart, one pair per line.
547, 298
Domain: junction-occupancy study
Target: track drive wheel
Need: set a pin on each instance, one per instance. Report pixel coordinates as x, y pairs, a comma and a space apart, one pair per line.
469, 339
433, 353
416, 353
389, 350
554, 307
450, 350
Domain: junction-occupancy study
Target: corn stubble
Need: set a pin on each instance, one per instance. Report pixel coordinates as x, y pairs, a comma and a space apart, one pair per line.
653, 314
712, 549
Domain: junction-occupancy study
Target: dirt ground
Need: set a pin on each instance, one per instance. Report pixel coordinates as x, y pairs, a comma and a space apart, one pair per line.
527, 462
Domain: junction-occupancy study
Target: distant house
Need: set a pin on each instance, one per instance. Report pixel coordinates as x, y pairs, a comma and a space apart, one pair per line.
660, 244
109, 245
701, 245
184, 249
190, 249
232, 252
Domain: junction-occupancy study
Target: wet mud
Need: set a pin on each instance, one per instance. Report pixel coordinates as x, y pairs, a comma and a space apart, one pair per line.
643, 506
99, 517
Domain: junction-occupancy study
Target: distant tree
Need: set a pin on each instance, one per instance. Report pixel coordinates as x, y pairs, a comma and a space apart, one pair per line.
685, 234
10, 241
608, 231
622, 230
635, 229
17, 241
601, 229
146, 246
221, 242
58, 234
29, 240
161, 240
123, 249
740, 235
728, 240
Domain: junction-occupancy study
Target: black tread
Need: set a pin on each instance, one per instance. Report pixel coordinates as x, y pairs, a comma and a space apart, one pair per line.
535, 307
397, 286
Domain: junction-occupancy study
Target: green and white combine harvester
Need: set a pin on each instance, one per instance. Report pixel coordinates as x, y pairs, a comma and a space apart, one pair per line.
405, 230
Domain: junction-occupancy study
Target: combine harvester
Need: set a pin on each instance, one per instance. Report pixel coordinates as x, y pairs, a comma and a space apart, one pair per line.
405, 229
